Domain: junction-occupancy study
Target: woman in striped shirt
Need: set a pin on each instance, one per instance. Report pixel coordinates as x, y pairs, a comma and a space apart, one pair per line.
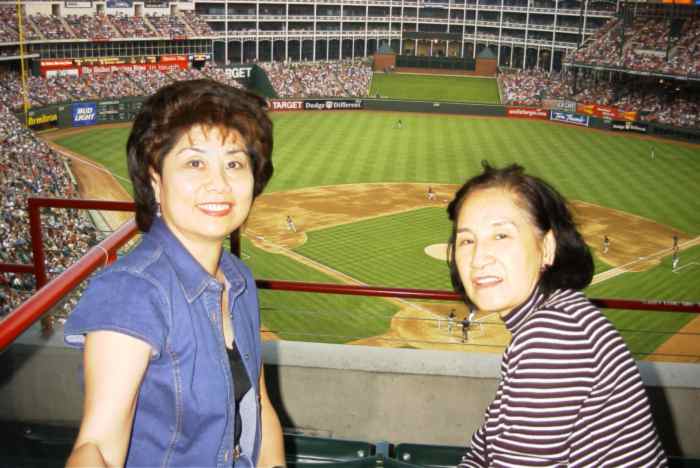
570, 393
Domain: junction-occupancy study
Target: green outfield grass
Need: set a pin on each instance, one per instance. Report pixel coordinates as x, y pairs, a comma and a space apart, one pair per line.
435, 88
602, 168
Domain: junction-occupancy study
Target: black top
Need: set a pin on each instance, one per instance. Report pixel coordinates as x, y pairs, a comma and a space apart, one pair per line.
241, 385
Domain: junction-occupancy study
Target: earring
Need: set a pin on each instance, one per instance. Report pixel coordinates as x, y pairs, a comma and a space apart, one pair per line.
158, 210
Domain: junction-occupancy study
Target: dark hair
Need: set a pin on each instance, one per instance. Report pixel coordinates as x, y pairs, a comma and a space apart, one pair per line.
547, 208
172, 111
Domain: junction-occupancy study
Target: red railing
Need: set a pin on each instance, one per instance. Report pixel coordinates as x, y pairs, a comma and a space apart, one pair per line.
49, 293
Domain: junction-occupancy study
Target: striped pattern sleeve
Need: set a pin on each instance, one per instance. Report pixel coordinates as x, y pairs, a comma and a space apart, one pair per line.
570, 394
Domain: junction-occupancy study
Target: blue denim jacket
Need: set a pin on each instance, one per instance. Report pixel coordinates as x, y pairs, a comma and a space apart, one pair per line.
160, 294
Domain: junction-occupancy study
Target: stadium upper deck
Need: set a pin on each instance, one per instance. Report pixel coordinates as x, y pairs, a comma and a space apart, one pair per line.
521, 33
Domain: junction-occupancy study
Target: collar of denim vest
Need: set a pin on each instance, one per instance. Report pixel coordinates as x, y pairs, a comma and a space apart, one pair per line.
193, 278
517, 317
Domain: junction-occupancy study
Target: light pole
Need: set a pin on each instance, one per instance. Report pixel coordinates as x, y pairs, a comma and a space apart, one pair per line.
226, 33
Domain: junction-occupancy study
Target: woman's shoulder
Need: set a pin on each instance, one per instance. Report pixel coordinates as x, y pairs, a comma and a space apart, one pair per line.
569, 300
124, 297
567, 311
144, 263
572, 313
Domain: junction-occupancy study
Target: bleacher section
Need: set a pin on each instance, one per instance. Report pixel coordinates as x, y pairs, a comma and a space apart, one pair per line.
645, 45
40, 27
666, 101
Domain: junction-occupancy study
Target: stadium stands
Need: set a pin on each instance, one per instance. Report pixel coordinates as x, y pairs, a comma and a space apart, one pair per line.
95, 27
132, 26
29, 167
645, 45
320, 79
656, 100
38, 27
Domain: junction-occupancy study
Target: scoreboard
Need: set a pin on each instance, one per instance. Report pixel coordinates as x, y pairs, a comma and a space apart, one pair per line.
120, 110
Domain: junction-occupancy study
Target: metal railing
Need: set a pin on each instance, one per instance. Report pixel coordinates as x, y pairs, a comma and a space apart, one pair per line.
49, 293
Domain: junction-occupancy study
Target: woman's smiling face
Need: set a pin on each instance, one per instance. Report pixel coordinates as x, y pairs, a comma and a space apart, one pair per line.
205, 189
499, 252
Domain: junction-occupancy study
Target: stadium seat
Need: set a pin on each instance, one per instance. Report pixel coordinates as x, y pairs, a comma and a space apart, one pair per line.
33, 444
301, 450
377, 461
429, 455
678, 462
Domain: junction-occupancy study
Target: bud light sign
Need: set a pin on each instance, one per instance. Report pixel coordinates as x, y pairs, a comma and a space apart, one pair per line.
84, 113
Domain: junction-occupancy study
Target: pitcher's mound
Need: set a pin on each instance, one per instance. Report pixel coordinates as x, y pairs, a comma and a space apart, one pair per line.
438, 251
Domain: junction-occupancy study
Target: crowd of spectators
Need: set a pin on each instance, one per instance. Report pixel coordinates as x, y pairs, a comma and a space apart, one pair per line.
29, 167
99, 27
197, 23
656, 100
40, 26
107, 85
320, 79
305, 79
9, 27
132, 26
170, 26
645, 44
529, 87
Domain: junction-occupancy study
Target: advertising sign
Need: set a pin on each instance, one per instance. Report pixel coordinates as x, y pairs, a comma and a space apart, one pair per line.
630, 127
83, 113
606, 112
527, 112
42, 116
567, 117
239, 72
316, 104
559, 104
286, 105
341, 104
120, 3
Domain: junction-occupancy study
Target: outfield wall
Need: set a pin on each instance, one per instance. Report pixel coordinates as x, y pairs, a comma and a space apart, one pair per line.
348, 392
87, 113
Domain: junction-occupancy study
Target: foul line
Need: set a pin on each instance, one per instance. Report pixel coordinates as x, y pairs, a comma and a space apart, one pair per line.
332, 271
74, 157
624, 268
676, 270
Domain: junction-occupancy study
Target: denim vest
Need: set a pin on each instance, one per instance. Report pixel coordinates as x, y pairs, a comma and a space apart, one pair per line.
160, 294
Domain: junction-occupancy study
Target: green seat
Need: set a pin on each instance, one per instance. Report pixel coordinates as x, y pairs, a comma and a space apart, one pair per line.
678, 462
437, 456
304, 449
377, 461
367, 462
30, 442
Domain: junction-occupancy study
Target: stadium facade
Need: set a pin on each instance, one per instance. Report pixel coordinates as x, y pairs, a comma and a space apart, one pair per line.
519, 33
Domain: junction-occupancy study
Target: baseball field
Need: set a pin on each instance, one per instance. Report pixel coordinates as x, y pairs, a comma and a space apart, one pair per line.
355, 185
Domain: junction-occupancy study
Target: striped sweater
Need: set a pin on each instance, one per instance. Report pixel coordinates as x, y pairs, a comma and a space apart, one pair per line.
570, 393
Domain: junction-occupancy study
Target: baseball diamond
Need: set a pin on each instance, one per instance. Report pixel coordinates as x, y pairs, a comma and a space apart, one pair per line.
360, 203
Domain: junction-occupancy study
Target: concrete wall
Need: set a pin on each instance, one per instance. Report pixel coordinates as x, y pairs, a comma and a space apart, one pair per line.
351, 392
